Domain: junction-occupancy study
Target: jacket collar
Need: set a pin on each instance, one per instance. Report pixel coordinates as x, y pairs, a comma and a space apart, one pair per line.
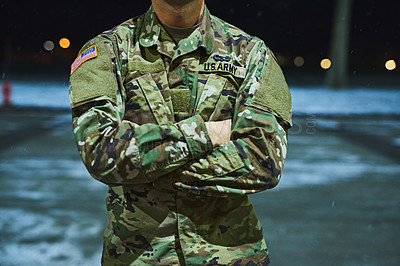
151, 28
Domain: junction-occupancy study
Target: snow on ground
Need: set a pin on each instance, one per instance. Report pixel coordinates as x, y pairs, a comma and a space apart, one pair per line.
41, 191
39, 94
345, 102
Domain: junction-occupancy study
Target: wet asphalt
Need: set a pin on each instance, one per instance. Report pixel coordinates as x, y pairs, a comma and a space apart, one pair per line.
337, 204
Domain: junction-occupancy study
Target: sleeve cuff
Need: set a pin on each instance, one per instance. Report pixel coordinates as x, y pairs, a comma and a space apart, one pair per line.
195, 132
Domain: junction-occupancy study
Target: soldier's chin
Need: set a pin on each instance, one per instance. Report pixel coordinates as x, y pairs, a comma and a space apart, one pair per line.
179, 2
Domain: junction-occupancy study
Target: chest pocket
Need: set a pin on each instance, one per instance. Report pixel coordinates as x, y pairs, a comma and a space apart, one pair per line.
216, 100
146, 103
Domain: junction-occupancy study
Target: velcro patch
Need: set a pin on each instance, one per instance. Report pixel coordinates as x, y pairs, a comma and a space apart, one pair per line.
180, 100
89, 53
274, 92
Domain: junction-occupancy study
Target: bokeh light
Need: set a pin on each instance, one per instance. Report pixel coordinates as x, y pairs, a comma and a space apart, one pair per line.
48, 45
298, 61
64, 43
390, 65
326, 63
280, 59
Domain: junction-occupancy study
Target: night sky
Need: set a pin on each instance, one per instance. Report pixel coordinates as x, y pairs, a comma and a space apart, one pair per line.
290, 28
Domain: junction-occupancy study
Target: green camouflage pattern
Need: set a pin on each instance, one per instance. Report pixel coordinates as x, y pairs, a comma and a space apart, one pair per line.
174, 199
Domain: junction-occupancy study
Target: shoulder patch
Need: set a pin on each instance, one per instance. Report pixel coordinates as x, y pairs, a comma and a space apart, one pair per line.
89, 53
273, 91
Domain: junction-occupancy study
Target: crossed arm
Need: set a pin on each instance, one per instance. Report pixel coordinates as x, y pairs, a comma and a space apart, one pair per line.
239, 156
247, 159
219, 131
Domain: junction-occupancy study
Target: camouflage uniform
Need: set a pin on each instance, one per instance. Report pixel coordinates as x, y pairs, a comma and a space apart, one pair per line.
173, 198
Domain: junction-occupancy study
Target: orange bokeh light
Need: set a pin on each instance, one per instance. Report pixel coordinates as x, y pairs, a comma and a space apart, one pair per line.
64, 43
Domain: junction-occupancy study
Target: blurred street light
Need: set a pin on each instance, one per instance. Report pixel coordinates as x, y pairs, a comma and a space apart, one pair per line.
280, 59
326, 63
390, 65
298, 61
64, 43
48, 45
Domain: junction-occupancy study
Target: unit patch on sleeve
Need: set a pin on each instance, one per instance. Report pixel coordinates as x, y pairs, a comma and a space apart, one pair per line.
89, 53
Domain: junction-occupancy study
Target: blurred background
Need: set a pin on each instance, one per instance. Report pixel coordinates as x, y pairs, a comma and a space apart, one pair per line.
339, 197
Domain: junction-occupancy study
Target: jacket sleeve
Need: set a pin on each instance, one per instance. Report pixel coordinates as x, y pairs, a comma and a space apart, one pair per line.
254, 158
112, 149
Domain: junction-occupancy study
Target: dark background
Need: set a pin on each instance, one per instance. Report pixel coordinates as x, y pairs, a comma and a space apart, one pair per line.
339, 198
290, 28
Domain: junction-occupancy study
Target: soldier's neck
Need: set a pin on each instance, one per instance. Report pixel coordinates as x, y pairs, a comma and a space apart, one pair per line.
179, 13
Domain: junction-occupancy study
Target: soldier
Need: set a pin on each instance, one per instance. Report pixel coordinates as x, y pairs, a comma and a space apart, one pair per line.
183, 116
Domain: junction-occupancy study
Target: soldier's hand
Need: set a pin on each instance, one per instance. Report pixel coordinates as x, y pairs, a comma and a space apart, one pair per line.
134, 124
219, 131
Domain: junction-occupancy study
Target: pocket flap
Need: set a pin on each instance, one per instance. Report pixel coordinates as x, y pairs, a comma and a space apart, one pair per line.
161, 110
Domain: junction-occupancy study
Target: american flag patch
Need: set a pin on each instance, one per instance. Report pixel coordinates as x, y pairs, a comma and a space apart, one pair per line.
89, 53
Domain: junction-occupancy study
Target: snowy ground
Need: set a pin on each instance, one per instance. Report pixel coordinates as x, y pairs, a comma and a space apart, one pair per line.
337, 203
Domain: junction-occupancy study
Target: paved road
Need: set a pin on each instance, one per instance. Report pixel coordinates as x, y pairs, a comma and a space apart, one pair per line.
337, 204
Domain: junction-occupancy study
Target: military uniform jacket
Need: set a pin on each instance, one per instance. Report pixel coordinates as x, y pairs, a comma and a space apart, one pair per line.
173, 198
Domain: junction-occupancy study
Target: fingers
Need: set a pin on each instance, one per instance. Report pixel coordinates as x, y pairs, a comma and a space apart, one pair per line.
219, 131
228, 123
134, 124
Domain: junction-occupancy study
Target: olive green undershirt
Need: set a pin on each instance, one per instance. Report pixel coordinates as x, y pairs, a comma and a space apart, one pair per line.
178, 34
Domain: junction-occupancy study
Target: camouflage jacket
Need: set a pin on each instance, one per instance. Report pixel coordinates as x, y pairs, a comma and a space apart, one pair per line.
174, 198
